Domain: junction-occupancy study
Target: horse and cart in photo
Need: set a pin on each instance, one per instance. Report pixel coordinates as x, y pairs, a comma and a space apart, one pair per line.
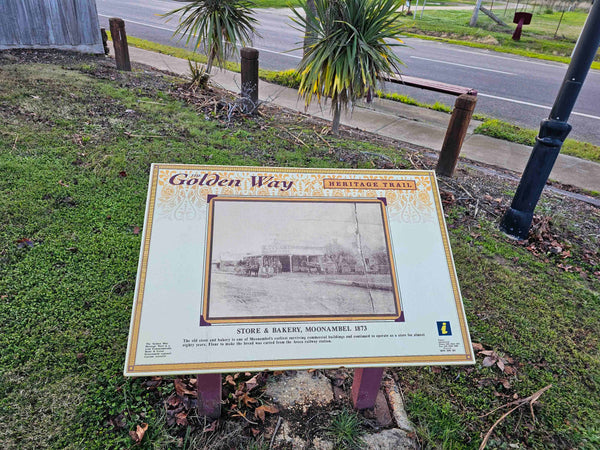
248, 268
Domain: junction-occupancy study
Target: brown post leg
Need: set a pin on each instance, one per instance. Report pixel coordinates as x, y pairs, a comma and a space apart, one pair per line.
249, 73
117, 31
209, 395
366, 386
455, 135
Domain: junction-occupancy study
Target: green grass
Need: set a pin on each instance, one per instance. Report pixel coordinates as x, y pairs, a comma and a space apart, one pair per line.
537, 40
523, 309
345, 430
503, 130
75, 161
76, 151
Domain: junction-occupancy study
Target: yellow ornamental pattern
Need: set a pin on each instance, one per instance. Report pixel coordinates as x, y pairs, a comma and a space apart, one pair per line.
183, 190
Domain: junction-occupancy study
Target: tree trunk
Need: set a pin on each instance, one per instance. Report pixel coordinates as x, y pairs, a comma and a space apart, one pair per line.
475, 15
337, 112
209, 62
308, 34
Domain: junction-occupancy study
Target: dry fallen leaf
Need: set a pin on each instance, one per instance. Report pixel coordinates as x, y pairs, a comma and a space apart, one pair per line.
259, 412
247, 399
500, 364
174, 400
477, 347
24, 242
505, 383
182, 418
136, 230
138, 434
488, 361
251, 383
182, 389
211, 427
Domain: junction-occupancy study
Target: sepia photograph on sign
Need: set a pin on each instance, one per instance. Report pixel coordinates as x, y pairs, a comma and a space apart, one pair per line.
299, 259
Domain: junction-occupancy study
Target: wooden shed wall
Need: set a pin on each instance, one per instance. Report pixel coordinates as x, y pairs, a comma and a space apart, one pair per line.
63, 24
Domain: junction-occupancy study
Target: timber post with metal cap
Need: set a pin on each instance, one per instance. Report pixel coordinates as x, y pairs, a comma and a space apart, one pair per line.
119, 38
249, 74
455, 134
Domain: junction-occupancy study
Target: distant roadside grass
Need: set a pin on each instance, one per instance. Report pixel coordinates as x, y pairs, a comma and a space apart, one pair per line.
537, 41
503, 130
491, 127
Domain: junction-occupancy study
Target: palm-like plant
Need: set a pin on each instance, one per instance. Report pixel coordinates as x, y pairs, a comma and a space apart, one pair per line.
219, 25
350, 45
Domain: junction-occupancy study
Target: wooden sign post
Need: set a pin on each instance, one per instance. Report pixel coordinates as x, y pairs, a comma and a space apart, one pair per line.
209, 387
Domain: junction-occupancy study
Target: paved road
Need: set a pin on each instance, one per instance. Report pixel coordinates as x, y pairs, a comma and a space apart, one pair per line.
516, 89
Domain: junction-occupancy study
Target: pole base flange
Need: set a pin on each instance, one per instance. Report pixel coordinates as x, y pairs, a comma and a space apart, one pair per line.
516, 223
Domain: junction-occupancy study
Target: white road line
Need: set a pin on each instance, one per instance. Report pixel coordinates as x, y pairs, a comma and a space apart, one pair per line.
462, 65
174, 31
142, 23
490, 54
535, 105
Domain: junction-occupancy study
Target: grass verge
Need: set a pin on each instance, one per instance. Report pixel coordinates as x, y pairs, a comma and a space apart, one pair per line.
491, 127
508, 132
537, 40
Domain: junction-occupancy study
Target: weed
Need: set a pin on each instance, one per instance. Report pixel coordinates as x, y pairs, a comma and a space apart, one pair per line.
345, 430
198, 74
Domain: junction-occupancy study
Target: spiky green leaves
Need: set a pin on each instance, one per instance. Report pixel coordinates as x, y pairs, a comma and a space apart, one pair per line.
350, 45
217, 25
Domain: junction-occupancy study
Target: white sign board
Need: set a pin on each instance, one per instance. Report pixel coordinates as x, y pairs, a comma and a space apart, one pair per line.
255, 268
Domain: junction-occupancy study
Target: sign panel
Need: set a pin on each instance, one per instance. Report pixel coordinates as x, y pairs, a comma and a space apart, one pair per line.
254, 268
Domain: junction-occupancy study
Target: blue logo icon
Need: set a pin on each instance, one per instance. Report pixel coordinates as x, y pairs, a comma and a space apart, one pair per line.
444, 329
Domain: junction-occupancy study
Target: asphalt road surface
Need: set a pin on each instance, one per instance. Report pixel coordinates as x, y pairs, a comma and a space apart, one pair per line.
512, 88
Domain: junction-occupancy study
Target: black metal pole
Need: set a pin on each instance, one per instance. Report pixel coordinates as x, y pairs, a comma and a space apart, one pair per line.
553, 131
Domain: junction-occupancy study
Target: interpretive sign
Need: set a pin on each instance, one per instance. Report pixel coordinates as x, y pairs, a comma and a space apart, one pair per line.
255, 268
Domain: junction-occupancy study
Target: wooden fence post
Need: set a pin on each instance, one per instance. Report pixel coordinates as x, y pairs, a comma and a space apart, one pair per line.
249, 73
104, 40
365, 387
117, 31
455, 135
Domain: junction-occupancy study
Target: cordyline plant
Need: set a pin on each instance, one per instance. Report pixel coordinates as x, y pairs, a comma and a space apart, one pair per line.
350, 45
219, 25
